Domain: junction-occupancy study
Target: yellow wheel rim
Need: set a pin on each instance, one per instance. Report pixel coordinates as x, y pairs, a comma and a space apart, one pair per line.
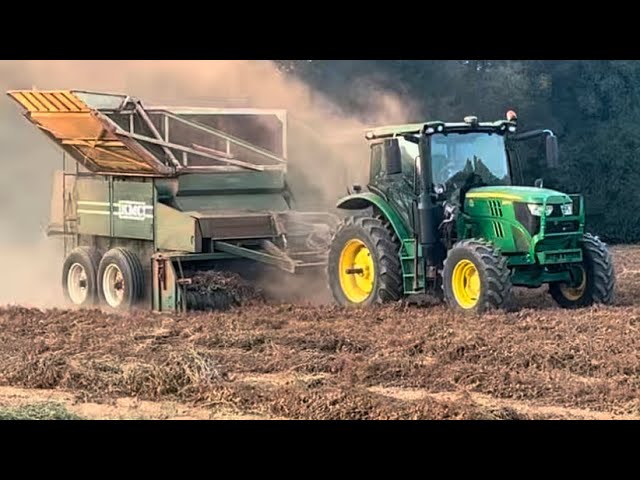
465, 284
575, 293
357, 272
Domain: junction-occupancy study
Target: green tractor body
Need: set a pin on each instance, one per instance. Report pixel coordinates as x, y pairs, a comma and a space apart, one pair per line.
441, 214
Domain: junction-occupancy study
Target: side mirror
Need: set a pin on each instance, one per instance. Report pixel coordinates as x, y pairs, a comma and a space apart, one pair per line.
392, 161
552, 151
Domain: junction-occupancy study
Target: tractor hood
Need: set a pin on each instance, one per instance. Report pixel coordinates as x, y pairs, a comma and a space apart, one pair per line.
519, 194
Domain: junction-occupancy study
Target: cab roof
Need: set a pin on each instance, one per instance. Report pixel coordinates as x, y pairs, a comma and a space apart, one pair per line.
429, 128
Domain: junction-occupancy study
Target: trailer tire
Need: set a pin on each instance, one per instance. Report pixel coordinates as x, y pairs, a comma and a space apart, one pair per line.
120, 279
80, 277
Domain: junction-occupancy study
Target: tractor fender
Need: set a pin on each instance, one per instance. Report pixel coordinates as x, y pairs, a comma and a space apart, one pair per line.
360, 201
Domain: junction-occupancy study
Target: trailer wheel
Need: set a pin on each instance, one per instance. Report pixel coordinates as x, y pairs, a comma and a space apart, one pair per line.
120, 279
594, 280
80, 276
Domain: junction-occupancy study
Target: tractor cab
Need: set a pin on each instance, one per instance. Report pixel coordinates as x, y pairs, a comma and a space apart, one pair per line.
452, 157
443, 213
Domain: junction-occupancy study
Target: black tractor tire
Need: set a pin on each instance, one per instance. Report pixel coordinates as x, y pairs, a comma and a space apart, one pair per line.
600, 284
376, 234
494, 289
83, 260
128, 288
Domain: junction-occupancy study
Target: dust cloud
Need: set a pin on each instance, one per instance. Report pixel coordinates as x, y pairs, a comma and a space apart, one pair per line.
327, 149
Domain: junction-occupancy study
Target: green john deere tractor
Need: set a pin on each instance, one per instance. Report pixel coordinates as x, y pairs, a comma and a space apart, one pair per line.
441, 216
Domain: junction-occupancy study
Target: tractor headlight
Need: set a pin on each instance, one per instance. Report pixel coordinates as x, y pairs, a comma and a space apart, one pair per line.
537, 210
567, 209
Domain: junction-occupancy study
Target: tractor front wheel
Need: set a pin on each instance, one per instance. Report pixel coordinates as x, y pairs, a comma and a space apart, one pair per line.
476, 277
364, 263
594, 279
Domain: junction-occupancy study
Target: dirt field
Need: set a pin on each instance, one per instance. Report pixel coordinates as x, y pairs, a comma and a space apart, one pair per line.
310, 362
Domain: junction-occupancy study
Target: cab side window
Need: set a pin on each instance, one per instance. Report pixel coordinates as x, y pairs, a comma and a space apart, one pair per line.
376, 162
410, 151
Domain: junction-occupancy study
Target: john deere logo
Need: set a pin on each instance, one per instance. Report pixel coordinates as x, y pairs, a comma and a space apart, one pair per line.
128, 210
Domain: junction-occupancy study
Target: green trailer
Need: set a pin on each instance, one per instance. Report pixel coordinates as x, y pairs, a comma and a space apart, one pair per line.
149, 197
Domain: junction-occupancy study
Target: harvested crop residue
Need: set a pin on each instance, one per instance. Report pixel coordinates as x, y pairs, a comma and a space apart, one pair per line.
324, 362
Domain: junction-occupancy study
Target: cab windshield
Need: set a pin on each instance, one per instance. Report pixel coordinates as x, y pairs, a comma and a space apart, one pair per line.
472, 159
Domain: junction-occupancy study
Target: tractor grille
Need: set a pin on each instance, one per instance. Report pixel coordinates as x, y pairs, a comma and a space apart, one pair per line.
498, 231
557, 212
522, 244
495, 207
528, 221
563, 227
532, 223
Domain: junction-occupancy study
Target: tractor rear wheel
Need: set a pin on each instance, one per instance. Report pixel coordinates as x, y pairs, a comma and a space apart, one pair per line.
364, 262
120, 279
594, 278
80, 276
476, 277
